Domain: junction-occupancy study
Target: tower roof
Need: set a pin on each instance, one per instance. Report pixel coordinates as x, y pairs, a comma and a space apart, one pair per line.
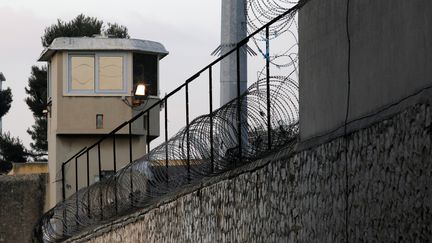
102, 44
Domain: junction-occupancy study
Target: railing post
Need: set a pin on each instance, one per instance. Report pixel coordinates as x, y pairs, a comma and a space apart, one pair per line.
100, 179
166, 139
130, 142
187, 132
114, 153
268, 89
76, 174
99, 161
63, 182
239, 105
130, 162
88, 183
76, 189
211, 119
148, 131
115, 171
88, 168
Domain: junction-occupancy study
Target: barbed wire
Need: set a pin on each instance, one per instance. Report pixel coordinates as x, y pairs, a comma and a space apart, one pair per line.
260, 12
145, 180
192, 155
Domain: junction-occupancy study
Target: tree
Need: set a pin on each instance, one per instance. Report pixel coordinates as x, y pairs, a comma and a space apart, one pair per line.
5, 167
5, 101
37, 84
38, 133
82, 26
37, 91
5, 104
12, 149
37, 102
116, 30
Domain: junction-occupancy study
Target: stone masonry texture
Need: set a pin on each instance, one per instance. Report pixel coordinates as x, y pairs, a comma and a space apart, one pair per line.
373, 185
21, 205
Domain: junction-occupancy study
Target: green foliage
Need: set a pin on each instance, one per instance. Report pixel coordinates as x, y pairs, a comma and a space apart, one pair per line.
37, 91
5, 167
116, 30
38, 133
12, 149
5, 101
37, 102
82, 26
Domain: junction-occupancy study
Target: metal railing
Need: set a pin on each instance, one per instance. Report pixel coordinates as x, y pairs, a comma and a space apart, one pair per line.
273, 128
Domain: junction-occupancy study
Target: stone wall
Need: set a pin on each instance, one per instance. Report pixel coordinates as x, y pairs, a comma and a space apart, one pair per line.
22, 199
383, 194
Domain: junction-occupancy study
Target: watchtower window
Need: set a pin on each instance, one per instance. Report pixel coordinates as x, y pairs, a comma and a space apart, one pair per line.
145, 70
82, 73
99, 73
111, 73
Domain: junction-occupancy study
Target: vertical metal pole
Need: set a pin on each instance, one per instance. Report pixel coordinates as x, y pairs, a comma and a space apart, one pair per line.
268, 88
130, 162
115, 170
88, 168
166, 139
148, 131
239, 105
130, 142
114, 153
187, 132
211, 119
63, 182
76, 174
100, 179
99, 162
88, 182
76, 189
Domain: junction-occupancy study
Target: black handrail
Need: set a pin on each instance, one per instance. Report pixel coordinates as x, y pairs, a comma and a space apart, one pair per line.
115, 195
185, 85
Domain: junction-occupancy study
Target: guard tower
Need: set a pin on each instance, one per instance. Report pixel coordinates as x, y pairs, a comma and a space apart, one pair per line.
91, 91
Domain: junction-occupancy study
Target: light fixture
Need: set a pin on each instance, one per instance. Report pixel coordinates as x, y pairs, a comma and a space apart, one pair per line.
140, 89
139, 95
47, 110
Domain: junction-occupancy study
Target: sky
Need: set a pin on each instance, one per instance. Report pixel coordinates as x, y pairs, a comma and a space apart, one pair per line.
188, 29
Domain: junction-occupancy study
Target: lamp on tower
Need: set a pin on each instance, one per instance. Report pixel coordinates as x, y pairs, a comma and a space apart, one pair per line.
139, 94
140, 90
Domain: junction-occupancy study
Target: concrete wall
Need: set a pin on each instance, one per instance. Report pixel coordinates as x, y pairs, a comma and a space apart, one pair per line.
21, 204
382, 194
29, 168
391, 52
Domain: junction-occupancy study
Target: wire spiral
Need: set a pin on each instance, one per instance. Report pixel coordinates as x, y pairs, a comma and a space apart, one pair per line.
260, 12
190, 155
145, 180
